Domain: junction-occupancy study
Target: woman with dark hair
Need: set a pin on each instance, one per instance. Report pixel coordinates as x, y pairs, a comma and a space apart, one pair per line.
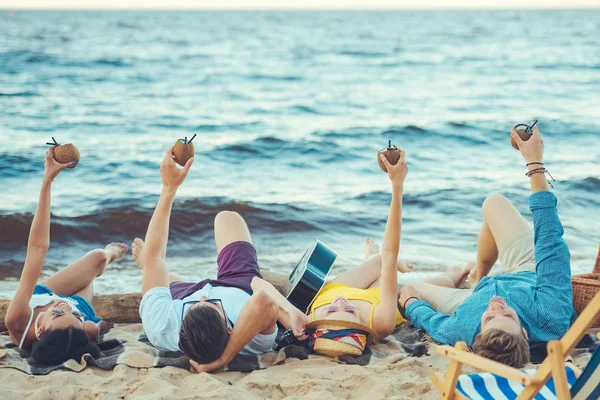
56, 319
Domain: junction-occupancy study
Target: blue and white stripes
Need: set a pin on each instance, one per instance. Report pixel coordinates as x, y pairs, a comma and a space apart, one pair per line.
488, 386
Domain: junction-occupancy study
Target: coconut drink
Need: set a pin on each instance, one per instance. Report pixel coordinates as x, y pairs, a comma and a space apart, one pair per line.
183, 150
392, 153
524, 131
66, 153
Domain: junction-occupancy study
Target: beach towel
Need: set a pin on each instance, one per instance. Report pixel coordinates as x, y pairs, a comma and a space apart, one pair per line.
128, 345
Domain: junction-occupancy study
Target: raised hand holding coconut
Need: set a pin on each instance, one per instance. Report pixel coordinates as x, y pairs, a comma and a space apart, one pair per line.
172, 176
66, 153
53, 167
183, 150
532, 149
397, 173
392, 154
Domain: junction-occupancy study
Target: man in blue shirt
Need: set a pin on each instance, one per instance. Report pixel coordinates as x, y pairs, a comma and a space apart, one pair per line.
506, 311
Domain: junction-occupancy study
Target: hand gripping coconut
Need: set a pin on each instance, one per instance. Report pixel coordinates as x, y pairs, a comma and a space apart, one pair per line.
66, 153
524, 131
392, 153
183, 150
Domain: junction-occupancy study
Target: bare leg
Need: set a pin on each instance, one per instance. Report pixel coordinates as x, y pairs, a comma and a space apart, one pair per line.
78, 276
452, 277
501, 223
230, 227
137, 249
367, 274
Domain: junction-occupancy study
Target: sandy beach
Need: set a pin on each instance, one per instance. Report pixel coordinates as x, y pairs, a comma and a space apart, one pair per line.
316, 378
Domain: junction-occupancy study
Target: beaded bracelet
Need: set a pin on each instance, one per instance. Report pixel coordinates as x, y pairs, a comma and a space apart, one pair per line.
535, 171
541, 171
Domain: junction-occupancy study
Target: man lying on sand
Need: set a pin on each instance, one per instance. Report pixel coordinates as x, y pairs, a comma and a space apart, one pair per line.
211, 321
528, 300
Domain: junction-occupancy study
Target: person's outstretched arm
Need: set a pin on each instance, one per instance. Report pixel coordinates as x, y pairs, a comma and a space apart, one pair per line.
155, 272
552, 257
38, 243
384, 320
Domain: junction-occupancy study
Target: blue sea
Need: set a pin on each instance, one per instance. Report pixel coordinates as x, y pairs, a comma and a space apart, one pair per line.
290, 109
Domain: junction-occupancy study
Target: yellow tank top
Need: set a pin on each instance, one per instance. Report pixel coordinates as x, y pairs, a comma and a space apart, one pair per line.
331, 290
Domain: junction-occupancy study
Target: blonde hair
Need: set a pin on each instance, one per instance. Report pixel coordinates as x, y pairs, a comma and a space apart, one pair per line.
506, 348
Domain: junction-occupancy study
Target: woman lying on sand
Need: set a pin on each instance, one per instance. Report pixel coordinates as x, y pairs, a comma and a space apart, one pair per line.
359, 307
55, 319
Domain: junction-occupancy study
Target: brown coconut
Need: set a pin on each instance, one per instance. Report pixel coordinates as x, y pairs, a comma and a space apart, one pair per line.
392, 155
183, 151
523, 135
67, 153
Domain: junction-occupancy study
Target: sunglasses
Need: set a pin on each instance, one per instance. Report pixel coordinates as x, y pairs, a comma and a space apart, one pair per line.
217, 302
59, 312
335, 308
525, 128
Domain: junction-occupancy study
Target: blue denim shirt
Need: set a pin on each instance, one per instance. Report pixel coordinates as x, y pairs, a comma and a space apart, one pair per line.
543, 300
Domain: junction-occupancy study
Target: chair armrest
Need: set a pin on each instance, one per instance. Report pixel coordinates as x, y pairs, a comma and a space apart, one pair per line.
485, 364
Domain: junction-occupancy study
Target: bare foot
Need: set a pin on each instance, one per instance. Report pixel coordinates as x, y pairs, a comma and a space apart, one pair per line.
137, 249
113, 251
404, 266
459, 273
370, 247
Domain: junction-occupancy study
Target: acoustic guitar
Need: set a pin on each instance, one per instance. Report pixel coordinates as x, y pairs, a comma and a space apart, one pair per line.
309, 276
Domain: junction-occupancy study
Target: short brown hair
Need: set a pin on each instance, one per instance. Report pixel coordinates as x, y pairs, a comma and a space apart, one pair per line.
506, 348
203, 334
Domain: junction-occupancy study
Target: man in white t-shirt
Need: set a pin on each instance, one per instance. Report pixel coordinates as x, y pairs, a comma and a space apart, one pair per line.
213, 320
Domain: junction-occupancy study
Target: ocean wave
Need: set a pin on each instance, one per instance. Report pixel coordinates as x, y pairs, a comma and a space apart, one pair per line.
26, 93
588, 184
305, 110
272, 147
190, 219
285, 78
407, 132
363, 53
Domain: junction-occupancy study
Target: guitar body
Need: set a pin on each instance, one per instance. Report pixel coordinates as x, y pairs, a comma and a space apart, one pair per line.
309, 276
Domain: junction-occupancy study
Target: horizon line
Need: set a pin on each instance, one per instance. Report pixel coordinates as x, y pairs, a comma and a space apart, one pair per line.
433, 8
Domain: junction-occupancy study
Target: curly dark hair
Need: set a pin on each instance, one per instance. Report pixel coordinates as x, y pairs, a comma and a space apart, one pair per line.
56, 346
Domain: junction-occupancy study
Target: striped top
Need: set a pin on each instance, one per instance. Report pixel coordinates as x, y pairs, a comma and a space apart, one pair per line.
543, 300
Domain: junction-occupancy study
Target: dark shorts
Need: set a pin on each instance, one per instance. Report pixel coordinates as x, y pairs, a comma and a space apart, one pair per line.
237, 265
82, 304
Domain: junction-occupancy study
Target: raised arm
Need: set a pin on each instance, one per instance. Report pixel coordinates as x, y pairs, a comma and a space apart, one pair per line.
384, 321
552, 255
155, 272
38, 243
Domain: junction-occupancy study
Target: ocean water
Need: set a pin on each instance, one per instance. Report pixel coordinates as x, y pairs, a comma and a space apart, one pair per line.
290, 109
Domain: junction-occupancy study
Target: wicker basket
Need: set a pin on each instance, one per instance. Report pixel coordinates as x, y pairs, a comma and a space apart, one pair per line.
585, 287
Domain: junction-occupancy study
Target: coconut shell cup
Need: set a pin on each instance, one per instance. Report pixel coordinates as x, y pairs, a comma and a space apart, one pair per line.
523, 134
392, 155
183, 151
67, 153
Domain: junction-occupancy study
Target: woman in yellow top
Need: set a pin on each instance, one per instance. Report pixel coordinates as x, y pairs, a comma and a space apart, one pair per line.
360, 306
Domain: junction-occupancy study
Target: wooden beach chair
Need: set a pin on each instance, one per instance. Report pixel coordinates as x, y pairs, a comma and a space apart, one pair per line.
504, 382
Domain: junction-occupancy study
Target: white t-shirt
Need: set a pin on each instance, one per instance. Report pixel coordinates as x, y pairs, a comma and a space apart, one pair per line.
162, 316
